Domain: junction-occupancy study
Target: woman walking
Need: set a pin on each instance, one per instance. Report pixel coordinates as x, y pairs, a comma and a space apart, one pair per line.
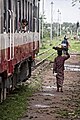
58, 67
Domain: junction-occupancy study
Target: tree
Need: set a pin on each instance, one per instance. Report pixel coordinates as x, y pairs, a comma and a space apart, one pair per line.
74, 2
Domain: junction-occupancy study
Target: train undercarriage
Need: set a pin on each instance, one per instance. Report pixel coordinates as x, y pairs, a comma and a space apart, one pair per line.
22, 71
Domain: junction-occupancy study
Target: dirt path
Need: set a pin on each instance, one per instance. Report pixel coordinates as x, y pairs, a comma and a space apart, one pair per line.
47, 104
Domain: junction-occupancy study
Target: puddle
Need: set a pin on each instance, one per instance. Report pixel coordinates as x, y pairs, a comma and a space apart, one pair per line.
41, 106
47, 94
72, 67
49, 87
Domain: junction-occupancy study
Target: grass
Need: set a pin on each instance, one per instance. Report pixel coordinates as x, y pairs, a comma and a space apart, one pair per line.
75, 46
49, 45
17, 102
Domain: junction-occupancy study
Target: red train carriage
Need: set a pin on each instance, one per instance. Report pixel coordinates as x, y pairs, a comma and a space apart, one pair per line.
19, 41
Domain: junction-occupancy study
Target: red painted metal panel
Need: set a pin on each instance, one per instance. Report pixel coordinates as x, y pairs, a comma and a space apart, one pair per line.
21, 52
10, 66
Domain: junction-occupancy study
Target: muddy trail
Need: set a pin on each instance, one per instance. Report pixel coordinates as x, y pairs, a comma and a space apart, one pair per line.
47, 104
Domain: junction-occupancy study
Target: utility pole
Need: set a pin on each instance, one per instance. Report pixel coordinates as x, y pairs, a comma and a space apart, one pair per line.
51, 22
58, 24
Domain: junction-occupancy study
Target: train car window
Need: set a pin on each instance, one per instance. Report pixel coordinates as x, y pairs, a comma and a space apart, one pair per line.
30, 16
23, 9
35, 15
6, 19
35, 12
38, 17
19, 11
9, 8
34, 2
26, 9
5, 9
18, 15
9, 4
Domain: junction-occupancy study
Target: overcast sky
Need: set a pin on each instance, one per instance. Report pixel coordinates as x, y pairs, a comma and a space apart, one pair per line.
68, 13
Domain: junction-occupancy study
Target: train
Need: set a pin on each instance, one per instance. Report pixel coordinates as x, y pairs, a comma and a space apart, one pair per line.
19, 42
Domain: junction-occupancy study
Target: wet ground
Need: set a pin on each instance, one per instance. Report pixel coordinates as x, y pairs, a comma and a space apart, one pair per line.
47, 104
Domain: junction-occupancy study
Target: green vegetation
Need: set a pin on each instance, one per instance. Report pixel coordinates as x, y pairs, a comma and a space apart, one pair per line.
17, 102
75, 46
47, 44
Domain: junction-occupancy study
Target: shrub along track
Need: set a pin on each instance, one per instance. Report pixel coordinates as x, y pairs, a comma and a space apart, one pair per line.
47, 104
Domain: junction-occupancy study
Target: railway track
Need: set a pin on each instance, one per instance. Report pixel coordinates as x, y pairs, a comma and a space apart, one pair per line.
44, 52
42, 57
39, 66
43, 60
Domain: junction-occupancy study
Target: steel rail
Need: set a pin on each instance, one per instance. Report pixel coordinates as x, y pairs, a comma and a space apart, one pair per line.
43, 60
43, 52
